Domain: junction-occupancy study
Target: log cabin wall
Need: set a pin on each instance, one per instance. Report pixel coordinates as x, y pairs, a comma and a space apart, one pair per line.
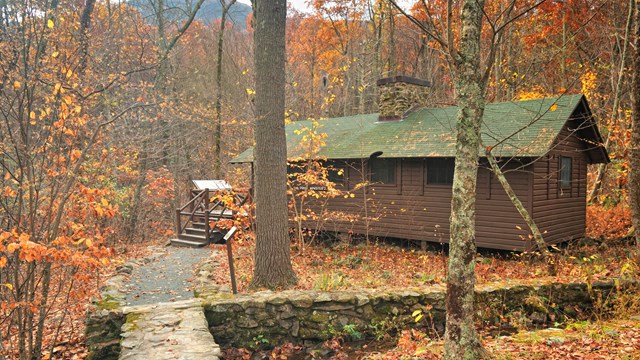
412, 209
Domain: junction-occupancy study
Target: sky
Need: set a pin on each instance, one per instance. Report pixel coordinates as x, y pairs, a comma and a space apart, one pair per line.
297, 4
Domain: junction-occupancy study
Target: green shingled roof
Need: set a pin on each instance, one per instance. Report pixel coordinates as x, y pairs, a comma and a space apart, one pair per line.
529, 128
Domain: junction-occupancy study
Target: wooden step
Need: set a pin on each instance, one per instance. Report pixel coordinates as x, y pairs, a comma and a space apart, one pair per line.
195, 231
180, 242
197, 225
194, 238
215, 214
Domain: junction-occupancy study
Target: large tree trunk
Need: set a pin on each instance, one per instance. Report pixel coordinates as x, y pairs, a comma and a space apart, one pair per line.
634, 154
461, 339
272, 259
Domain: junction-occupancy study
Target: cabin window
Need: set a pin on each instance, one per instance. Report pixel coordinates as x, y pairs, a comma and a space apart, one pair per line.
335, 173
383, 171
440, 171
565, 172
294, 169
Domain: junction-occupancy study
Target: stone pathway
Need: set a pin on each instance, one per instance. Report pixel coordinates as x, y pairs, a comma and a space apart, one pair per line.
166, 277
163, 320
167, 331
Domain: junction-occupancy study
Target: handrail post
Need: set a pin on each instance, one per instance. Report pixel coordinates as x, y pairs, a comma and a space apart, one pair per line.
178, 225
206, 214
227, 238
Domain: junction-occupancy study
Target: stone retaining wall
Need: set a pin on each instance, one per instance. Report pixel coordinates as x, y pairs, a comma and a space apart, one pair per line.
309, 316
300, 316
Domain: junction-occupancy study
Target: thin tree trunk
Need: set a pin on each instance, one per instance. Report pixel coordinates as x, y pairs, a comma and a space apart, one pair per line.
272, 258
634, 153
597, 185
522, 210
42, 315
461, 338
85, 23
217, 156
391, 56
137, 198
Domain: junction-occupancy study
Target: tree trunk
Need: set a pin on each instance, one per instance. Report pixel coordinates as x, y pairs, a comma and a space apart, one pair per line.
272, 258
461, 338
85, 24
535, 231
621, 70
134, 215
217, 138
634, 153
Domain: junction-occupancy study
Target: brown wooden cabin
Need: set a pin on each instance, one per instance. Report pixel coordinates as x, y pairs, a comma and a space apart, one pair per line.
544, 147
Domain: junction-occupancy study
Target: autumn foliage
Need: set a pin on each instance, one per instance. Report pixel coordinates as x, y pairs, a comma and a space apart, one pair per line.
103, 125
608, 222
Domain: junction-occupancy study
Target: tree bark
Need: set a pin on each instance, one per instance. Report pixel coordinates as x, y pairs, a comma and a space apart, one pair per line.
634, 153
461, 338
272, 258
621, 70
85, 24
217, 137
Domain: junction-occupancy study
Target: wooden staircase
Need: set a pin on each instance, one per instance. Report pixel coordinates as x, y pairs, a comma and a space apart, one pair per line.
196, 221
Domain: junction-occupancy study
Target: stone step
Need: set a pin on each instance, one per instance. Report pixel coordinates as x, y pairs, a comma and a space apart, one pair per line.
175, 331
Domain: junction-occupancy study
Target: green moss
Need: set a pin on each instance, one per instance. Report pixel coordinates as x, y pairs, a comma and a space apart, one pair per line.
216, 318
535, 337
108, 303
318, 317
210, 296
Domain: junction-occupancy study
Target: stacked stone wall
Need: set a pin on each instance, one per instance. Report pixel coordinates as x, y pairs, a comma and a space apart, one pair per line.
300, 316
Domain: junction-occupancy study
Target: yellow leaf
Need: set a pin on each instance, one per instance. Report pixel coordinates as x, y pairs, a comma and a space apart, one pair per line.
56, 89
17, 85
104, 202
554, 107
419, 317
69, 73
416, 313
352, 195
8, 286
50, 24
55, 54
88, 242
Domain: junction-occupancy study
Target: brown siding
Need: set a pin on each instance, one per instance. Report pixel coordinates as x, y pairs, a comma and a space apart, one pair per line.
561, 213
412, 210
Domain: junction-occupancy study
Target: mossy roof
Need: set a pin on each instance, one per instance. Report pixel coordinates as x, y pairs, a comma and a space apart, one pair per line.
515, 129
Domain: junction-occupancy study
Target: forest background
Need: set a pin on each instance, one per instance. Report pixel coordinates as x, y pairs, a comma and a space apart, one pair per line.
108, 109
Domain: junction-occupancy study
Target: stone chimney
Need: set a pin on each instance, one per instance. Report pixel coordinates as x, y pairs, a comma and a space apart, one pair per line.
399, 95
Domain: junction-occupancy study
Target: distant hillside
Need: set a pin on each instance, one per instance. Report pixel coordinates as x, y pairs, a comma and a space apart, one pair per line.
210, 11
